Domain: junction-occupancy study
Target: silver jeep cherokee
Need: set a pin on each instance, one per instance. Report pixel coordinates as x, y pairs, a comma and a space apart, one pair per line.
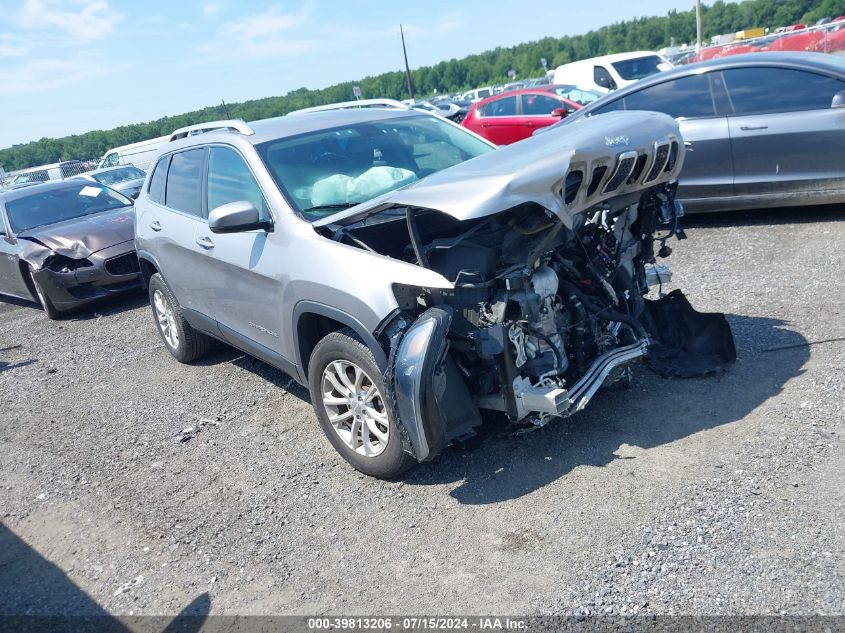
414, 276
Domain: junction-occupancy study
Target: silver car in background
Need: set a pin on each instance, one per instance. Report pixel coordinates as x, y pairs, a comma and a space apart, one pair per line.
127, 179
761, 130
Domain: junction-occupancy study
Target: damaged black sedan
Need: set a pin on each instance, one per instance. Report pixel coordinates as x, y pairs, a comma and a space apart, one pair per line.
66, 244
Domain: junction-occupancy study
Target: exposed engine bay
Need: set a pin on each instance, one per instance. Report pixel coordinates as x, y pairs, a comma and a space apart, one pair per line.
546, 300
541, 315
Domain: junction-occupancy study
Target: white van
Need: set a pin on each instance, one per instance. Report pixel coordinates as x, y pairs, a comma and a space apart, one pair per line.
46, 173
610, 72
476, 95
139, 154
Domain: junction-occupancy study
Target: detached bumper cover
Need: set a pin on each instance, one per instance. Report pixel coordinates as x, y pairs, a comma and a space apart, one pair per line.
687, 343
417, 391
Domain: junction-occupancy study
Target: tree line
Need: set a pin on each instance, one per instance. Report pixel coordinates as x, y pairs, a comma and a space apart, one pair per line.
489, 67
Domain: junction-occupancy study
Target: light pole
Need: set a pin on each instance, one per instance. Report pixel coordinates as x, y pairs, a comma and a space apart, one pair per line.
697, 25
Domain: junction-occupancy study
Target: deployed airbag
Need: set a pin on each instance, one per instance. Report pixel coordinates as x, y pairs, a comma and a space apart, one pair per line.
341, 189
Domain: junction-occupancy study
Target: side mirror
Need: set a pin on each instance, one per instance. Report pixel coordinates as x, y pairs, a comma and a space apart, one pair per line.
838, 100
559, 112
237, 217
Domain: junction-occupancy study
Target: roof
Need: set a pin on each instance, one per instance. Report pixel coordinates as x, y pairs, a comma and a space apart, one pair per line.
614, 57
286, 126
104, 170
546, 89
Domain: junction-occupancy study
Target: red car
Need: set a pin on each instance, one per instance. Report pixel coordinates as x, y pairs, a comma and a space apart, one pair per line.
512, 116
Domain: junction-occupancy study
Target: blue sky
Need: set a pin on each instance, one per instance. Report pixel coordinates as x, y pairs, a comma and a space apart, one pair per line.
70, 66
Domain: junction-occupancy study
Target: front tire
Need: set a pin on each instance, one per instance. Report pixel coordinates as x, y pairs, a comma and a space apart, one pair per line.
42, 299
180, 339
347, 391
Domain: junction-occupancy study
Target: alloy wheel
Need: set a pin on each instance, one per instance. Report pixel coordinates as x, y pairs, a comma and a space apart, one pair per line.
166, 320
355, 408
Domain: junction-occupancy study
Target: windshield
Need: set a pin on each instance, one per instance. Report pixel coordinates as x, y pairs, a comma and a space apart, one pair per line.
632, 69
326, 170
56, 205
578, 95
115, 176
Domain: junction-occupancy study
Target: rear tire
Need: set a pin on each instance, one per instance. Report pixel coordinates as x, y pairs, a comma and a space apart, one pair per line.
180, 339
347, 391
42, 299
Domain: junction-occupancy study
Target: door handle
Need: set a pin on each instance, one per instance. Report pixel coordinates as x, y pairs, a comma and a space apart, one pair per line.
205, 242
155, 225
530, 124
748, 128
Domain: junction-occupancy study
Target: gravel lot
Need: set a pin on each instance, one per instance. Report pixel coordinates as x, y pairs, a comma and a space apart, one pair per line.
132, 484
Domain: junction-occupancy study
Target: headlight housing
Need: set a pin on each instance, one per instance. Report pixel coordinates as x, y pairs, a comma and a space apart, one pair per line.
63, 264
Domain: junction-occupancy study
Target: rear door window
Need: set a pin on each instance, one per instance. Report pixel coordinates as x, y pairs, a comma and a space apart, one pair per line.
688, 97
767, 90
156, 190
505, 106
183, 191
539, 105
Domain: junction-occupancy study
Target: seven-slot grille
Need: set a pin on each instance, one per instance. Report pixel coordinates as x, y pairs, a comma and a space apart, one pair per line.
125, 264
623, 169
661, 155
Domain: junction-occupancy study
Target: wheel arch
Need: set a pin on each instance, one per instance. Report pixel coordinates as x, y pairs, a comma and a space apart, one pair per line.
26, 273
312, 321
149, 267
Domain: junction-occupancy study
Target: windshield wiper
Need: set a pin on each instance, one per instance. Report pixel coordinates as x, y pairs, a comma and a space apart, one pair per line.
331, 207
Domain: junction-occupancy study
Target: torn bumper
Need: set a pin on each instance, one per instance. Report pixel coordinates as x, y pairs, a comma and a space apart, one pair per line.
113, 270
417, 391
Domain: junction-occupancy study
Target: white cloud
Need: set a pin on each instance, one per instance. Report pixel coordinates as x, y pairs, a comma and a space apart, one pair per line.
449, 22
267, 24
264, 34
43, 75
82, 20
210, 8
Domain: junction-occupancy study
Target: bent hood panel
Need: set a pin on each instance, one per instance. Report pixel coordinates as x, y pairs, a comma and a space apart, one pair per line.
83, 236
534, 170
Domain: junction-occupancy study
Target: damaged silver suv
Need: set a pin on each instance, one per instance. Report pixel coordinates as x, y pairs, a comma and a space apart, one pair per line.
414, 276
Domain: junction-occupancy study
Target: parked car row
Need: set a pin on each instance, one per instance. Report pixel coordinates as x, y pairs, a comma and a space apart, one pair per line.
828, 37
454, 277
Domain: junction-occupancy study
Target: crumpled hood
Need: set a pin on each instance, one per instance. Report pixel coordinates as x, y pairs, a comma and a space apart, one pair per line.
80, 237
535, 169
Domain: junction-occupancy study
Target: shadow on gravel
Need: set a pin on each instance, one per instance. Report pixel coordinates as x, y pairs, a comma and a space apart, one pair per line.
113, 305
224, 353
36, 595
654, 412
767, 217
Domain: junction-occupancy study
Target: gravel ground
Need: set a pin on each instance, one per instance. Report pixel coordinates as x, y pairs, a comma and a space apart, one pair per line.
130, 484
